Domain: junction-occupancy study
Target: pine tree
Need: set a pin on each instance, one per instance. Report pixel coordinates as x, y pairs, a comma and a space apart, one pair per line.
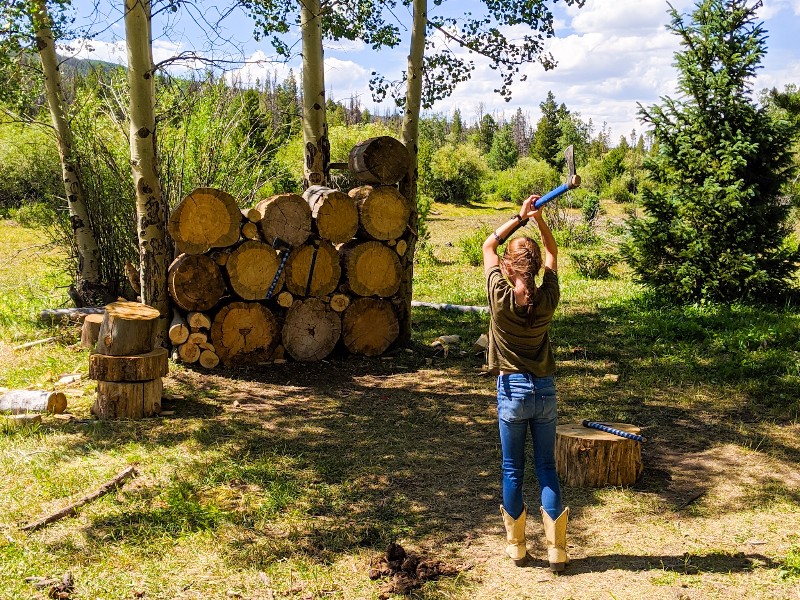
545, 140
504, 153
487, 127
715, 227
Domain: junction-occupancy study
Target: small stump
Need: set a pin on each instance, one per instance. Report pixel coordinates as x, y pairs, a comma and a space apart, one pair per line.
591, 458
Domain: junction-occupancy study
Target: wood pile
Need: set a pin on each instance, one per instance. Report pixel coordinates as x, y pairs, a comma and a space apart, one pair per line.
126, 364
294, 276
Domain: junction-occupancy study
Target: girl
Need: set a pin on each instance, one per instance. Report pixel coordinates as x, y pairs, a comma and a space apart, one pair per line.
519, 347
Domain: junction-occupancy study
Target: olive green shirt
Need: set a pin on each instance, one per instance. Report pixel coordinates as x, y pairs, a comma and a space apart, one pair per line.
513, 346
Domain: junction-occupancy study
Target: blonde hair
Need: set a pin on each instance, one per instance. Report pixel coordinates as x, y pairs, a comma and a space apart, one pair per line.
522, 258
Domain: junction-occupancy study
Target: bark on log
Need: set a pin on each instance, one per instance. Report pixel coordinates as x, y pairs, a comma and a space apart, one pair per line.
52, 315
141, 367
19, 402
128, 328
383, 211
206, 218
244, 330
369, 326
178, 329
195, 282
287, 217
189, 353
371, 268
251, 269
90, 330
313, 269
334, 212
198, 319
127, 400
311, 330
380, 160
591, 458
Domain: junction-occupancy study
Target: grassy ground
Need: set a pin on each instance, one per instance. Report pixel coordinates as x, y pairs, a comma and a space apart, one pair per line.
287, 482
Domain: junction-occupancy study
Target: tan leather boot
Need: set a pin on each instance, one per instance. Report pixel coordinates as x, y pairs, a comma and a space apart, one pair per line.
556, 534
515, 534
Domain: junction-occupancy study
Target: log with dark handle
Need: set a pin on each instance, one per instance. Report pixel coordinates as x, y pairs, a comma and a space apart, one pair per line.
573, 180
283, 249
613, 430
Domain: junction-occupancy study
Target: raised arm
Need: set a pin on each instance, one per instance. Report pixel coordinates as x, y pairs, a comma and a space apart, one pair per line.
500, 235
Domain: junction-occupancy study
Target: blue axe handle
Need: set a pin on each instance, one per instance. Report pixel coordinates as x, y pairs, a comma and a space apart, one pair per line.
285, 255
550, 195
619, 432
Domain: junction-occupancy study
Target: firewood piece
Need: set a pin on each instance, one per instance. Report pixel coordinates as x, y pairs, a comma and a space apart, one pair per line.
381, 160
287, 217
252, 214
369, 326
322, 257
311, 330
52, 315
90, 330
24, 401
72, 508
195, 282
127, 328
189, 353
371, 268
339, 302
591, 458
198, 319
127, 400
243, 330
197, 338
251, 269
383, 211
285, 299
401, 247
334, 212
178, 329
140, 367
250, 231
208, 359
220, 256
206, 218
20, 420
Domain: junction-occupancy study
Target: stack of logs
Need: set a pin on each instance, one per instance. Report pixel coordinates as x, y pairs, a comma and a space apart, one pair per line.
294, 275
126, 364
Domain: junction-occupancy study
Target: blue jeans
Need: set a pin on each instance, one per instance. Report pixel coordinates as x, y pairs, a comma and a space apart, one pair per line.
525, 401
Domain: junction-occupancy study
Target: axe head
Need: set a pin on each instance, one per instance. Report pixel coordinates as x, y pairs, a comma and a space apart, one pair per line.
573, 179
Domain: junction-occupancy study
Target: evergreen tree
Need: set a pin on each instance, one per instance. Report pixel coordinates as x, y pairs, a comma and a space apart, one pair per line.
504, 153
487, 127
521, 132
545, 140
456, 128
715, 226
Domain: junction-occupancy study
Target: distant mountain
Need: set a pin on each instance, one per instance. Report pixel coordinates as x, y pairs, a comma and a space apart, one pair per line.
82, 66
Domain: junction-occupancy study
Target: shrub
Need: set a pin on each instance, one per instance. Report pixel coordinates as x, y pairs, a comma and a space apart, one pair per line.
471, 246
31, 170
454, 175
591, 208
594, 264
572, 234
530, 176
618, 190
34, 215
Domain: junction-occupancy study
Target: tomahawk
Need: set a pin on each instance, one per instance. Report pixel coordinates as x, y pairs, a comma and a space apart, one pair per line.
573, 180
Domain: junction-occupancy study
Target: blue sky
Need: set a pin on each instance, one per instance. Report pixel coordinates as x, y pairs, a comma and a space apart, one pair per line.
612, 54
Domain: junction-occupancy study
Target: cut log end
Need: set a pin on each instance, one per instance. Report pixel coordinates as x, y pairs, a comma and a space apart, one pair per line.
591, 458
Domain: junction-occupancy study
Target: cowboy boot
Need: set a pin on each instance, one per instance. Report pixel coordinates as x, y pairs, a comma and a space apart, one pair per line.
515, 535
556, 534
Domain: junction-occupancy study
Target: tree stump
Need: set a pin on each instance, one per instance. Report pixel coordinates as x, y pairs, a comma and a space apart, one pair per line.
90, 331
382, 160
127, 328
383, 211
335, 213
369, 326
127, 400
287, 217
205, 219
371, 268
251, 269
195, 282
590, 458
311, 330
140, 367
244, 330
313, 269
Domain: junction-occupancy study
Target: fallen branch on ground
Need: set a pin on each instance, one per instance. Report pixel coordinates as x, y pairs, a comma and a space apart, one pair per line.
73, 508
35, 343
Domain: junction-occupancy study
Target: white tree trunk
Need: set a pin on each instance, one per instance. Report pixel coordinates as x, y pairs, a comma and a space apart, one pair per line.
151, 208
410, 137
317, 149
88, 252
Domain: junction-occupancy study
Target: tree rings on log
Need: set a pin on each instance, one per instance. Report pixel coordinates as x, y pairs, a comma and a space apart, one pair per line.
311, 330
313, 269
369, 326
178, 331
383, 211
207, 218
371, 268
251, 269
381, 160
244, 330
195, 282
127, 400
139, 367
286, 217
127, 328
335, 213
590, 458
